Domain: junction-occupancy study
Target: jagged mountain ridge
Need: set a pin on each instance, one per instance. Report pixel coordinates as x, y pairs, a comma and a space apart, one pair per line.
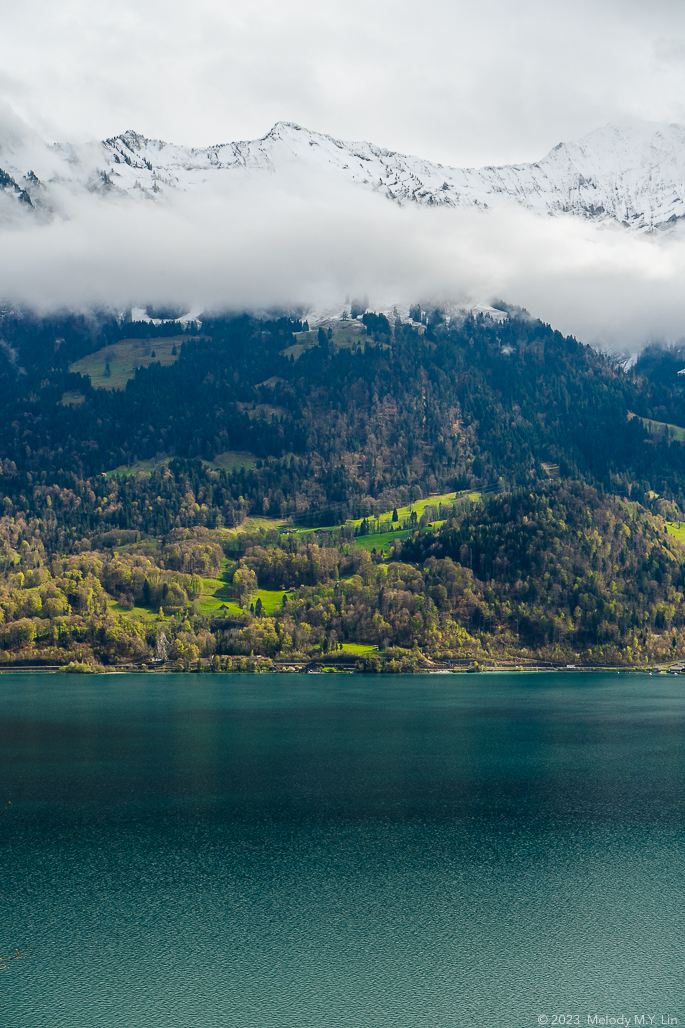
633, 175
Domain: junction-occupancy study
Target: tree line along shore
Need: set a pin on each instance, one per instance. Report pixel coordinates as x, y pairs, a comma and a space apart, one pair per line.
562, 575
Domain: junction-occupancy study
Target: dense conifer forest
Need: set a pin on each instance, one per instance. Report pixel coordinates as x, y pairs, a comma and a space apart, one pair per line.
209, 509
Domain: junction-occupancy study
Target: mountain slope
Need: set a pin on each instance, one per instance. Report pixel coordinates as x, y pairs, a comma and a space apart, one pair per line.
633, 175
281, 421
346, 424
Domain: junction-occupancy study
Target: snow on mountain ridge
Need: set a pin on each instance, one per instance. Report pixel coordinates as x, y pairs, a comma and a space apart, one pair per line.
633, 175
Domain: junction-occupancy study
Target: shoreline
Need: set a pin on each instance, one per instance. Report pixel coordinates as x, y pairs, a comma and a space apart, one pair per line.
323, 668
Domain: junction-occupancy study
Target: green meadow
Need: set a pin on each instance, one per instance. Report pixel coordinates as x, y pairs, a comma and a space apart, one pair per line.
125, 357
661, 428
230, 460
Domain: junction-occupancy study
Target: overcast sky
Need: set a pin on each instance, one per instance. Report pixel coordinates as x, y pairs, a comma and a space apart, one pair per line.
465, 83
460, 82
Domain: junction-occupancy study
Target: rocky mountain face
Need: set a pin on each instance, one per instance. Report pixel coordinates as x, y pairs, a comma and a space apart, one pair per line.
633, 176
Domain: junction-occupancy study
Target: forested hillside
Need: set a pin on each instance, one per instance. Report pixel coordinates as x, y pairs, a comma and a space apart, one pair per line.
143, 498
566, 574
340, 423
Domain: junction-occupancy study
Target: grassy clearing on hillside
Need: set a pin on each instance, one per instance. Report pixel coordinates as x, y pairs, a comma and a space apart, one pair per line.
146, 466
349, 333
230, 460
381, 541
345, 335
135, 614
358, 649
217, 598
265, 411
272, 599
215, 595
125, 357
72, 399
258, 524
677, 530
384, 521
661, 428
381, 526
295, 351
434, 501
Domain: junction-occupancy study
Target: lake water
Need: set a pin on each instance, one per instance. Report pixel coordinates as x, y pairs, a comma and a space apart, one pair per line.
281, 851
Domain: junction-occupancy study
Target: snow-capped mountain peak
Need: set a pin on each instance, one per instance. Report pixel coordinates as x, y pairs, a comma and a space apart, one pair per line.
633, 175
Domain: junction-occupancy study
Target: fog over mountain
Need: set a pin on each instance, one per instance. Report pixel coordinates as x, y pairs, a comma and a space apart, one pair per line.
632, 175
588, 237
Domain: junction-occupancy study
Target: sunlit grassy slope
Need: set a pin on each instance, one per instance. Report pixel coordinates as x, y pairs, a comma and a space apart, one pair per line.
383, 524
677, 530
381, 541
216, 595
404, 513
216, 600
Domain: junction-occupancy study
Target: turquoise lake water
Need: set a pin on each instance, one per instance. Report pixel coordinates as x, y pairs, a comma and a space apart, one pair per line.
213, 851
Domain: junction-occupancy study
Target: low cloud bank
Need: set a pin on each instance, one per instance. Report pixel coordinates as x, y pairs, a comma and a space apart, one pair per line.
286, 239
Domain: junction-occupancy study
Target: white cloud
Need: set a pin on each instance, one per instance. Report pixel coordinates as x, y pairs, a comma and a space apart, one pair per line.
271, 240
